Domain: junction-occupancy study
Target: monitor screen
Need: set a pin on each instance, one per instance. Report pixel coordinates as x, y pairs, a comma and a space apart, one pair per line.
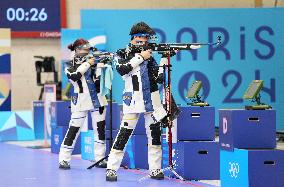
253, 89
194, 89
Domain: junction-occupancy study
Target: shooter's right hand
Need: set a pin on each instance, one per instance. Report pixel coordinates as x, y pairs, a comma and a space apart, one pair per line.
146, 54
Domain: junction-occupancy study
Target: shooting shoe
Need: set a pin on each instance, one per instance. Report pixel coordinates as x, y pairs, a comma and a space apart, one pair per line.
64, 165
157, 174
111, 175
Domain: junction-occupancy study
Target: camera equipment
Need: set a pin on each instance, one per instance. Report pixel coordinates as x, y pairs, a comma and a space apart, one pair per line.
46, 64
192, 94
253, 93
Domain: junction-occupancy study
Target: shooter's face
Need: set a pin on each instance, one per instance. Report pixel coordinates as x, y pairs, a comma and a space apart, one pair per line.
139, 40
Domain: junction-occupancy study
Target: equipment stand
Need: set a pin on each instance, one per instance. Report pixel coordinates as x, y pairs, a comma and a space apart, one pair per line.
168, 101
168, 106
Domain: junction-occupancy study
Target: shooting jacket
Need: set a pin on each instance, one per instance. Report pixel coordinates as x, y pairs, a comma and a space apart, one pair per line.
86, 82
141, 77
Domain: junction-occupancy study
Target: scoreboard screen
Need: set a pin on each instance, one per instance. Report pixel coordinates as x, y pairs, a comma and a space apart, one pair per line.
33, 18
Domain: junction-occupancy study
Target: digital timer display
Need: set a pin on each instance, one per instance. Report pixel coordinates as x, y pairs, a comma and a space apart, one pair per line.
20, 14
33, 18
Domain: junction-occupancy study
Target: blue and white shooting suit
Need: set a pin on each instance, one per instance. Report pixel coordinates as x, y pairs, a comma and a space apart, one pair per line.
140, 95
85, 97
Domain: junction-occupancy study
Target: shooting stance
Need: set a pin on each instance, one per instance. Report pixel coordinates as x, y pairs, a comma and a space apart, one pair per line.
84, 75
141, 74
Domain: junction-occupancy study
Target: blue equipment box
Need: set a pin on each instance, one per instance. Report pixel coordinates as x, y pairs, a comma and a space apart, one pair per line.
196, 123
57, 136
197, 160
38, 116
252, 168
252, 129
60, 113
